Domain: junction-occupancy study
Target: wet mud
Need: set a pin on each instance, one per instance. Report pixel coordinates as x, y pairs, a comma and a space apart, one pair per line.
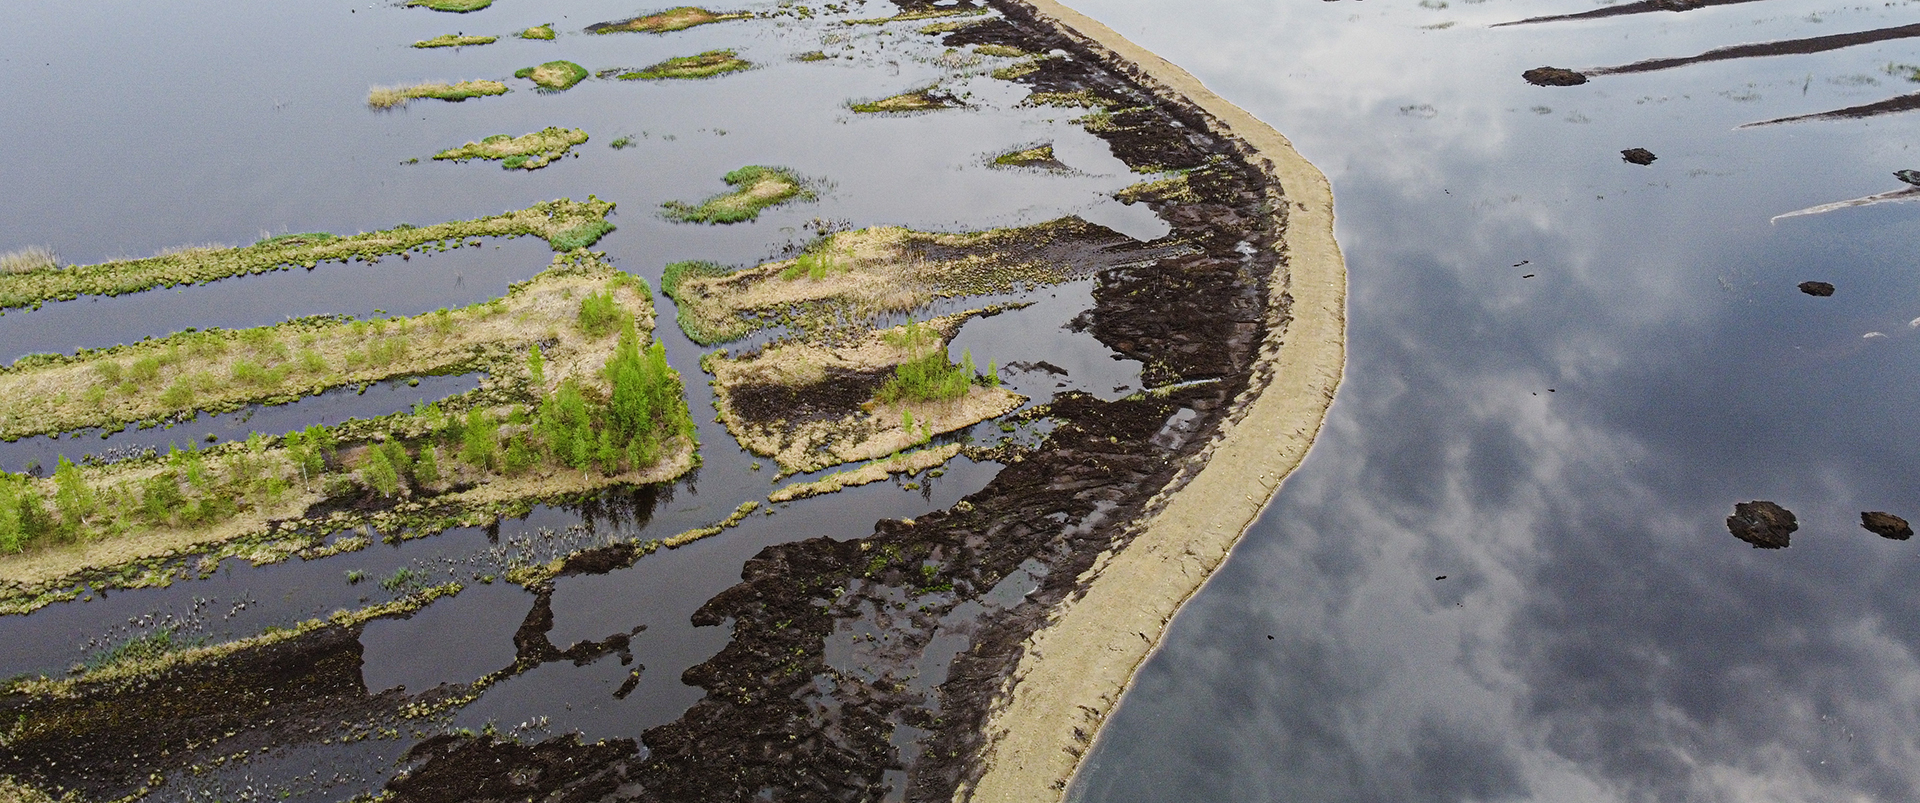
1896, 105
1643, 7
1785, 47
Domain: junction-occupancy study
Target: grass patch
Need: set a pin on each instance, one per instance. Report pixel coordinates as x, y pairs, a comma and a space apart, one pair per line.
1081, 99
538, 32
455, 6
948, 27
554, 76
564, 224
705, 65
28, 259
622, 143
1002, 51
928, 376
812, 56
591, 402
927, 14
919, 100
526, 152
756, 188
1175, 188
1041, 156
388, 97
452, 40
1020, 69
677, 19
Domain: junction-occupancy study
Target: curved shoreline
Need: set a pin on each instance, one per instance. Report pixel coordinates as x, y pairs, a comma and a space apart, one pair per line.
1074, 672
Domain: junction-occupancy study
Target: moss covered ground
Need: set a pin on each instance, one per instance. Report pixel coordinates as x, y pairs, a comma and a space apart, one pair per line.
564, 224
677, 19
756, 187
388, 97
525, 152
554, 76
704, 65
455, 40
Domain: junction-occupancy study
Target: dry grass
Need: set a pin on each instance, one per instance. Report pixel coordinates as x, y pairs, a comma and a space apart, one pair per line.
388, 97
455, 6
909, 463
907, 16
919, 100
677, 19
1041, 156
30, 258
452, 40
528, 151
705, 65
538, 32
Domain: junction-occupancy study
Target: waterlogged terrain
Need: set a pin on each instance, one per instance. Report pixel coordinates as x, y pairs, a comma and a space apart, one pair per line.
411, 480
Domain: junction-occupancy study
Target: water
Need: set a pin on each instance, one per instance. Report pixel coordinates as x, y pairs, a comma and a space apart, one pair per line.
1563, 449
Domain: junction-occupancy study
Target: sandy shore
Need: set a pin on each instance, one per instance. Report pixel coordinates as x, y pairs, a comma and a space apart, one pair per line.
1074, 671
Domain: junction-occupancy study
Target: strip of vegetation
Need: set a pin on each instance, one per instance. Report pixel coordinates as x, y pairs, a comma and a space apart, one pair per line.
453, 40
538, 32
919, 100
677, 19
925, 14
1001, 51
757, 188
387, 97
527, 152
564, 224
705, 65
732, 520
812, 56
912, 462
1040, 157
554, 76
598, 404
948, 27
455, 6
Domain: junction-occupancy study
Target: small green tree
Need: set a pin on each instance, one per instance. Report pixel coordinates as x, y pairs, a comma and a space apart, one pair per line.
72, 496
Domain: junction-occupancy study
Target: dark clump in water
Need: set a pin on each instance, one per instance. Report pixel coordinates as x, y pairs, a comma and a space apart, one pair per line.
1818, 289
1763, 524
1639, 156
1553, 76
1886, 525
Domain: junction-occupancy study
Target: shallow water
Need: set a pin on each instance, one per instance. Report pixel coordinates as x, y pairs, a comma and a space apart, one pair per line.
1503, 572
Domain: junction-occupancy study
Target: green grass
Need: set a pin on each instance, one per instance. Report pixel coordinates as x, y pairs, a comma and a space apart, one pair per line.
555, 76
919, 100
1042, 155
929, 377
451, 40
812, 55
527, 152
564, 224
455, 6
538, 32
387, 97
1002, 51
705, 65
757, 188
677, 19
622, 143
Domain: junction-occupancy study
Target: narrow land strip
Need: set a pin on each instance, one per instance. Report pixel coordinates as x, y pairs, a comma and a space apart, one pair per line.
1074, 671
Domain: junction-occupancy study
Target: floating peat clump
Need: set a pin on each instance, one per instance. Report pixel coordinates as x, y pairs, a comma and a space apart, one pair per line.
756, 188
1886, 525
538, 32
1638, 156
454, 6
526, 152
554, 76
705, 65
455, 40
919, 100
1817, 289
1763, 524
388, 97
678, 19
1553, 76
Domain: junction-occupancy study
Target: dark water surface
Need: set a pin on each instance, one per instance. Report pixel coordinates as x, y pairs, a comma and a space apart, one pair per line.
1504, 573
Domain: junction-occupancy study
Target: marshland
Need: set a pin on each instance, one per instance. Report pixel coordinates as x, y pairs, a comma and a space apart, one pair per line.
668, 497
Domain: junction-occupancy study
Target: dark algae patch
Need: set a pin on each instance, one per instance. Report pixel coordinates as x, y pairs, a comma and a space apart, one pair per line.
705, 65
678, 19
554, 76
1763, 524
756, 188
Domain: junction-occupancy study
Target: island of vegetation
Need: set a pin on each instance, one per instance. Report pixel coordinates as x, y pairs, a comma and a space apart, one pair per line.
526, 152
455, 40
577, 396
388, 97
538, 32
677, 19
565, 225
756, 187
554, 76
455, 6
705, 65
919, 100
919, 14
1039, 157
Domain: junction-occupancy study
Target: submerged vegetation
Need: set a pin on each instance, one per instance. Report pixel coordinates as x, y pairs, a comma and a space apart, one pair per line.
528, 151
456, 6
919, 100
387, 97
705, 65
555, 76
564, 224
538, 32
756, 188
677, 19
568, 403
455, 40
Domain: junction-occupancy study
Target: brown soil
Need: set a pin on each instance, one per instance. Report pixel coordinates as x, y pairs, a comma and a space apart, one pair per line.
1553, 76
455, 769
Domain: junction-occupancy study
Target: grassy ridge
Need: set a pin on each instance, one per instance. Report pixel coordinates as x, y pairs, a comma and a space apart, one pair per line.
677, 19
757, 187
528, 151
387, 97
705, 65
450, 40
564, 224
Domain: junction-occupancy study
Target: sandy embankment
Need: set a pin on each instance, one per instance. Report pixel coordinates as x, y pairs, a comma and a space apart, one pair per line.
1074, 670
